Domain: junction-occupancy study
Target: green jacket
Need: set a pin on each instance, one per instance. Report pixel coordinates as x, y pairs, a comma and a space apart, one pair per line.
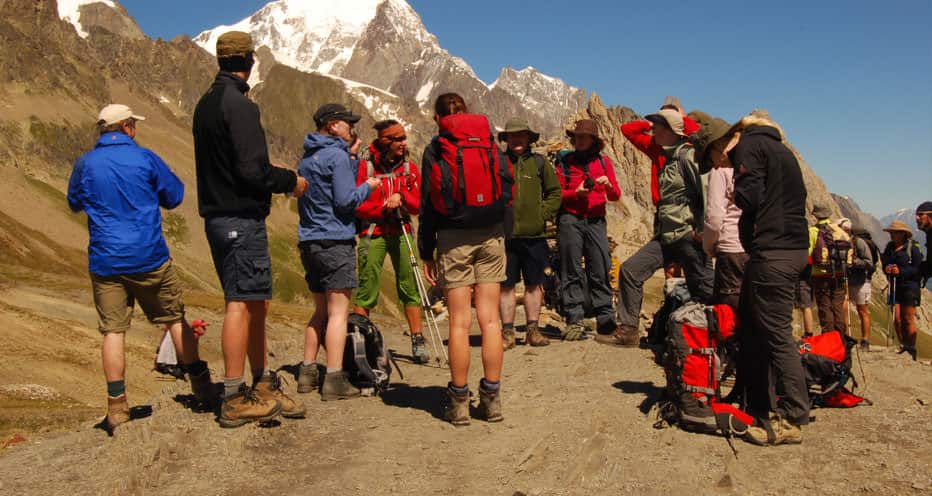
537, 197
680, 209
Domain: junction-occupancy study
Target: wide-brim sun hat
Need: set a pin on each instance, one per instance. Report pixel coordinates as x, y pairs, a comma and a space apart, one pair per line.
517, 125
899, 226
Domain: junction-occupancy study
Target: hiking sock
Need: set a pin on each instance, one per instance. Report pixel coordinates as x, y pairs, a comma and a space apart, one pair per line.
307, 363
489, 386
508, 327
531, 323
231, 385
195, 368
115, 389
458, 390
260, 373
334, 370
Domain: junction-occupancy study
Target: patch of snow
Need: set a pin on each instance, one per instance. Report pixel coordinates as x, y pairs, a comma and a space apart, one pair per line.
70, 10
423, 94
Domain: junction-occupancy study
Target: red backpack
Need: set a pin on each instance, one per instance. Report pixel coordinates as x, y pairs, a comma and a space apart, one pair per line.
471, 182
827, 362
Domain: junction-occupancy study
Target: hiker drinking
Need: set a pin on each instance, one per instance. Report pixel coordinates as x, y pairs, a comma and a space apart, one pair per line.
466, 183
121, 186
901, 260
924, 221
235, 183
720, 229
327, 240
770, 192
677, 227
830, 253
587, 179
537, 200
863, 265
384, 219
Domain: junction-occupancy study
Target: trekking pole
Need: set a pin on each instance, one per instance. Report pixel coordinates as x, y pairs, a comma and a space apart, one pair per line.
432, 327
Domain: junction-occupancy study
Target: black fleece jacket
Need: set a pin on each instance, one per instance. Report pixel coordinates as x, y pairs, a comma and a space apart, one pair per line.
770, 191
234, 175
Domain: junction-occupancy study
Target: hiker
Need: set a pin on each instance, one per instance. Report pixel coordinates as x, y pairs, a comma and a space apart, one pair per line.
327, 240
720, 230
830, 252
587, 179
901, 263
770, 192
235, 183
394, 201
863, 264
120, 186
924, 221
677, 228
463, 223
537, 199
804, 301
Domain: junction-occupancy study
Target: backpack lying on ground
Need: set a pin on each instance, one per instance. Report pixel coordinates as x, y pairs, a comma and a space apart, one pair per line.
695, 361
827, 362
365, 358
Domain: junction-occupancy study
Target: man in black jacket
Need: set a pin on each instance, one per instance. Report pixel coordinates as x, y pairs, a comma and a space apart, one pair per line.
235, 183
770, 191
924, 221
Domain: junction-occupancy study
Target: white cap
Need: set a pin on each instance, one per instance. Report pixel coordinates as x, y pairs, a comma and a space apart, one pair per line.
114, 113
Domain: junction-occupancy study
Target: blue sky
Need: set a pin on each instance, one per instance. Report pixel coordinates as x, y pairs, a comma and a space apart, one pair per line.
850, 81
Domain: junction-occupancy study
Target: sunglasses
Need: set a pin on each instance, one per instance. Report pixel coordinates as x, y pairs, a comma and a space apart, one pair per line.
395, 139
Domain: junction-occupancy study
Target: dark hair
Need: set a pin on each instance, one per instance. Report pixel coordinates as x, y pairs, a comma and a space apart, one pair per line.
387, 123
449, 104
237, 63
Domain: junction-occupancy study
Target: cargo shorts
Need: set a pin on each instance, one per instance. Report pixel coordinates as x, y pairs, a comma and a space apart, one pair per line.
471, 256
158, 293
240, 250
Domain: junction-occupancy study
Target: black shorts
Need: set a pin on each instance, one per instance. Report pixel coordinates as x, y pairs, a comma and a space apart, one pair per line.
527, 257
329, 265
803, 294
909, 296
240, 250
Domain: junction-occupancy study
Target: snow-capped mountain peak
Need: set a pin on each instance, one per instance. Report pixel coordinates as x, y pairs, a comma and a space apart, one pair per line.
70, 10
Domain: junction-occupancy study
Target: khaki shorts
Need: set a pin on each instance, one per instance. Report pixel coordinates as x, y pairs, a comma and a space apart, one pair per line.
158, 293
860, 295
471, 256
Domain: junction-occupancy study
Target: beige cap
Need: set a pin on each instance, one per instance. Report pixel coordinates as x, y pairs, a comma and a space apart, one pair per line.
114, 113
669, 117
234, 44
672, 102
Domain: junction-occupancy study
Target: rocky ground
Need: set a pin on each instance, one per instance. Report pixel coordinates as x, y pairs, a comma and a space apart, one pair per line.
578, 420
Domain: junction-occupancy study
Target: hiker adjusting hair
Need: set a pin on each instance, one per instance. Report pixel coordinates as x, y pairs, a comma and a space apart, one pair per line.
587, 178
770, 192
830, 256
902, 260
235, 183
537, 200
677, 228
865, 257
120, 186
383, 220
326, 240
466, 183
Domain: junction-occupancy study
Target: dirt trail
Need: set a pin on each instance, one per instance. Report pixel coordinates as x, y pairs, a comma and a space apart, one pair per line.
577, 421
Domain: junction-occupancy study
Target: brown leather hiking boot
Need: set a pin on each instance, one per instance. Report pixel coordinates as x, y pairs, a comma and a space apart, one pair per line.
204, 390
456, 410
117, 411
490, 405
508, 338
308, 378
534, 337
338, 387
245, 407
269, 387
624, 336
776, 430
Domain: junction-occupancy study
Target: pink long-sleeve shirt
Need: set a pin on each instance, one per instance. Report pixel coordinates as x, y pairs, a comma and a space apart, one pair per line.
720, 234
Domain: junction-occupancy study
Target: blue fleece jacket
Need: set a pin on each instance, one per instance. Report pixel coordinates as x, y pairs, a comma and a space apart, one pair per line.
328, 206
121, 186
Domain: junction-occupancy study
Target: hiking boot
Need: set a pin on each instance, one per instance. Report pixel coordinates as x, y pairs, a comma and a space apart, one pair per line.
203, 389
776, 430
575, 332
419, 349
865, 345
534, 337
508, 338
117, 411
308, 378
911, 350
269, 388
490, 405
245, 407
338, 387
168, 369
456, 410
625, 336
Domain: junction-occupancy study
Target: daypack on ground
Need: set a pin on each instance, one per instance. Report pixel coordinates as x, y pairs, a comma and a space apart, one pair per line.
827, 362
695, 361
832, 251
365, 358
471, 182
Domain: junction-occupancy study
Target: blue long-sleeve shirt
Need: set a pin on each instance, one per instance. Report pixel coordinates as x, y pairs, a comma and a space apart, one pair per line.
327, 209
121, 186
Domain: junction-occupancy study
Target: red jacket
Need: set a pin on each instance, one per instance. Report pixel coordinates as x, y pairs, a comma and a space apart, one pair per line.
400, 180
593, 204
637, 133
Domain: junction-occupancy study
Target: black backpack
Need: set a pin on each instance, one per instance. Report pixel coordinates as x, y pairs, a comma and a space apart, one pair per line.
365, 358
875, 252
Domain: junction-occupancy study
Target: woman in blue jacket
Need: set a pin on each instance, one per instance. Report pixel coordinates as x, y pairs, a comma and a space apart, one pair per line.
901, 262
